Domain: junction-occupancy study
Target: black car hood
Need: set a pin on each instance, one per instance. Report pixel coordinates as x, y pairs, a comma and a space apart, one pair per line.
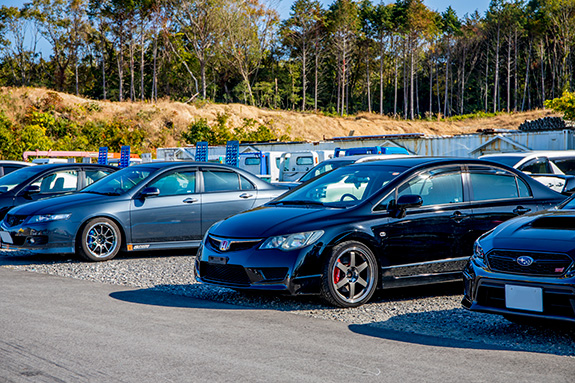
266, 221
550, 231
57, 204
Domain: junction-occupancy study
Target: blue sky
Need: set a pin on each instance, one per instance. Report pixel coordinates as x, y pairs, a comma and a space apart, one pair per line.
461, 6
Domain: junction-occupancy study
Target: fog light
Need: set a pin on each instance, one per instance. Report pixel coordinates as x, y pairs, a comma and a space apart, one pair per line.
32, 241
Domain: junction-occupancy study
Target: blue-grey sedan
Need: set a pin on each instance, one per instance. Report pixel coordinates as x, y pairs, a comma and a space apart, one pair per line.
166, 205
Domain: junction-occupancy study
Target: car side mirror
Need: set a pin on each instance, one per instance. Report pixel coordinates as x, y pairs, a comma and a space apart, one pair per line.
149, 192
569, 187
31, 189
405, 202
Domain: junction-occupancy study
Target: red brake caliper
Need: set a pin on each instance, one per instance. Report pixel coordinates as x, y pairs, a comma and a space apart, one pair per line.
337, 274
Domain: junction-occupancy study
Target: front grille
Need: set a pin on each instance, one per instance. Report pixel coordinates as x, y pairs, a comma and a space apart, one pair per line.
232, 274
234, 244
544, 264
14, 220
556, 302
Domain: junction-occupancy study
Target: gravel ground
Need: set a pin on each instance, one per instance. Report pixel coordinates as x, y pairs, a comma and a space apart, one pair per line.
432, 313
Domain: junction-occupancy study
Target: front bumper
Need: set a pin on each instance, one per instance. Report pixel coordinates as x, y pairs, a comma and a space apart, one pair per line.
289, 272
485, 292
46, 238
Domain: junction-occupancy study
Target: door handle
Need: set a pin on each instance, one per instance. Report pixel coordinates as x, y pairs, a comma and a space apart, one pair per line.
246, 195
459, 216
190, 200
521, 210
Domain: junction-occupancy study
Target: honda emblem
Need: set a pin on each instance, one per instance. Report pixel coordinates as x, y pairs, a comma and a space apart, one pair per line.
224, 245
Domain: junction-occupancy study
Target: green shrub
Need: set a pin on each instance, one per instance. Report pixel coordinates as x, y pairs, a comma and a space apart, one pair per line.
564, 104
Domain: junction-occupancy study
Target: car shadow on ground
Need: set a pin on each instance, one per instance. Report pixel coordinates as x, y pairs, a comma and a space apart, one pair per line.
472, 331
155, 297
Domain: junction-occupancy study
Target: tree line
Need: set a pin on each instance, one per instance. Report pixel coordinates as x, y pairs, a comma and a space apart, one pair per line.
401, 59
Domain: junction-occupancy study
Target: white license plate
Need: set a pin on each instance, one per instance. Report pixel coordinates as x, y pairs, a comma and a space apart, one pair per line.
524, 298
5, 237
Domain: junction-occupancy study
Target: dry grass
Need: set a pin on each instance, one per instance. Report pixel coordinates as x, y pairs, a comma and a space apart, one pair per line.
165, 120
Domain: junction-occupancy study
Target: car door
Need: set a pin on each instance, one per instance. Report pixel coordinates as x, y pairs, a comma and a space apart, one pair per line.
172, 216
424, 240
50, 184
225, 193
496, 195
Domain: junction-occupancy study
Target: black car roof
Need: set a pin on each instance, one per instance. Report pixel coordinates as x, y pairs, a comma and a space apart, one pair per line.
410, 162
171, 164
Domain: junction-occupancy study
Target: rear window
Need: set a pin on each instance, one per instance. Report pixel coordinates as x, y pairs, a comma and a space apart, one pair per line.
304, 161
252, 161
567, 165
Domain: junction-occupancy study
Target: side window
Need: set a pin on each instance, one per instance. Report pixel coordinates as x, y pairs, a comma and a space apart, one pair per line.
493, 184
94, 175
58, 182
537, 166
220, 180
436, 187
177, 183
246, 184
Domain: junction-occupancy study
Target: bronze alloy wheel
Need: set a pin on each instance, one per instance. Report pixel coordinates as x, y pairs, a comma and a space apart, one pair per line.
350, 276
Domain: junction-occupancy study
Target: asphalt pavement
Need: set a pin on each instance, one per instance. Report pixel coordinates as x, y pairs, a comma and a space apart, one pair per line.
55, 329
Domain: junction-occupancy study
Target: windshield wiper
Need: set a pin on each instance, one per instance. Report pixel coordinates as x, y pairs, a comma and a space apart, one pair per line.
297, 202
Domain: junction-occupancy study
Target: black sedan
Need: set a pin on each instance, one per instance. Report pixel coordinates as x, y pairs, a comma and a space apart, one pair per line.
525, 268
37, 182
381, 224
164, 205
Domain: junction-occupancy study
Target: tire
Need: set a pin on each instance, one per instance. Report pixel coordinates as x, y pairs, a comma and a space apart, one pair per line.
350, 276
100, 240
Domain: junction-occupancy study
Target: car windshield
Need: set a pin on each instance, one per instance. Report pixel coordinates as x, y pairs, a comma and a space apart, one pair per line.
323, 168
121, 181
505, 160
11, 180
344, 187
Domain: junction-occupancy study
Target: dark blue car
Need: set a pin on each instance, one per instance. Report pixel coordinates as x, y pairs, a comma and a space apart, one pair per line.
149, 206
525, 268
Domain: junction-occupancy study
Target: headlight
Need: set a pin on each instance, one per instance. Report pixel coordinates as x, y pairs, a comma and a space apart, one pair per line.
292, 241
478, 251
48, 217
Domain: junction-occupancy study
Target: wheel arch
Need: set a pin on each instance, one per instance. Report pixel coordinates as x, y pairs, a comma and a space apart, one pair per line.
362, 237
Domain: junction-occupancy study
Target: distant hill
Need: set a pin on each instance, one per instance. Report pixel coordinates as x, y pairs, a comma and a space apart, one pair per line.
164, 121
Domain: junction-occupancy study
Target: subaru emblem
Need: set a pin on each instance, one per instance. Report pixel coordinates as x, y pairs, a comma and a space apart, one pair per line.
525, 261
224, 246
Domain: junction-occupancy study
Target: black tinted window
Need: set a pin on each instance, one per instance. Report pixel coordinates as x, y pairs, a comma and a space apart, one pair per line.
492, 184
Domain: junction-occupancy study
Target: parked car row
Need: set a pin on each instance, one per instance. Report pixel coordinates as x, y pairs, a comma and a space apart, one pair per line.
343, 234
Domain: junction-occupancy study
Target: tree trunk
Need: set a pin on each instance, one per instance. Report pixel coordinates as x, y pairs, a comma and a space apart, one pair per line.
496, 82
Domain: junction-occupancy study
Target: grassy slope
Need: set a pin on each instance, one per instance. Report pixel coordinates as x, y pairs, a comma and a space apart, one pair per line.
165, 120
